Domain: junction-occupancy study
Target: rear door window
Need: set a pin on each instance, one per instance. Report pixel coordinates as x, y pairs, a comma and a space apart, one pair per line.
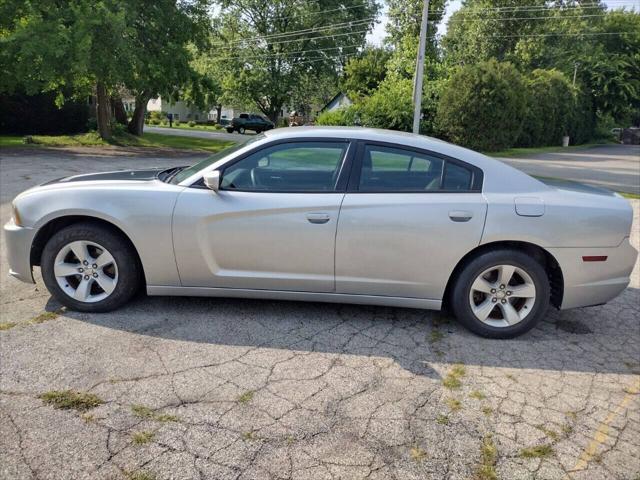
392, 169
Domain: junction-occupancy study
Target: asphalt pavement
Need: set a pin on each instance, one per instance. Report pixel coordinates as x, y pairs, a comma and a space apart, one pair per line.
616, 167
181, 132
212, 388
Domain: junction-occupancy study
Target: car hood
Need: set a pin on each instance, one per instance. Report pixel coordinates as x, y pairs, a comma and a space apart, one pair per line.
121, 175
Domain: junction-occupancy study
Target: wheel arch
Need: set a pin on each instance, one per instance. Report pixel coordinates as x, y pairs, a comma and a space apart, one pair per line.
46, 231
546, 259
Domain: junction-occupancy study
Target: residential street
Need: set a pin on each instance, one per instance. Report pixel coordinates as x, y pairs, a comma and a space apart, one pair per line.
181, 132
616, 167
197, 388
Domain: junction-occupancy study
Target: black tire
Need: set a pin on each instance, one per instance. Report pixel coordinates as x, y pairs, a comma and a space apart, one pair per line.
241, 130
126, 259
461, 306
258, 131
229, 130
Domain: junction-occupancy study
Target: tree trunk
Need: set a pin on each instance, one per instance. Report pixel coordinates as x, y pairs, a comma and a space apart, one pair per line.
118, 110
218, 114
103, 111
136, 125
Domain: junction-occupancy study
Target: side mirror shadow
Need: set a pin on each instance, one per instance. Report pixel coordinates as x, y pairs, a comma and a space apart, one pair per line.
212, 180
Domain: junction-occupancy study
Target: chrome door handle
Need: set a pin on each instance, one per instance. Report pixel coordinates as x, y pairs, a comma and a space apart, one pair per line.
460, 215
318, 217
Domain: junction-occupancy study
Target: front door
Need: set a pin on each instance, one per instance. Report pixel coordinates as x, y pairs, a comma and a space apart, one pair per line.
407, 219
272, 224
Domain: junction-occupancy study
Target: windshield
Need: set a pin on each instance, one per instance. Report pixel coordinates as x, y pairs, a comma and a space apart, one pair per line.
187, 172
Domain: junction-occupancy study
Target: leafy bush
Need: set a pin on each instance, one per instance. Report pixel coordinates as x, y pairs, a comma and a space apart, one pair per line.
483, 106
158, 116
164, 123
176, 123
346, 116
154, 121
191, 123
390, 106
551, 109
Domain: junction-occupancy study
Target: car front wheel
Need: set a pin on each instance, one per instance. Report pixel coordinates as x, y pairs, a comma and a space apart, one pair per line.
501, 294
90, 268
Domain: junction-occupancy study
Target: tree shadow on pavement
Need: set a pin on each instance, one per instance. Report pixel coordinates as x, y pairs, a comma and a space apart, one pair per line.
604, 339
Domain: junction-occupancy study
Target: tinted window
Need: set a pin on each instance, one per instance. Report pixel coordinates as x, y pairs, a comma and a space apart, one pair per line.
389, 169
396, 170
456, 177
299, 167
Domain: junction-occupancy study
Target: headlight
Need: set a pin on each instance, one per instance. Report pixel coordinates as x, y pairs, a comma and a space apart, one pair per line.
16, 215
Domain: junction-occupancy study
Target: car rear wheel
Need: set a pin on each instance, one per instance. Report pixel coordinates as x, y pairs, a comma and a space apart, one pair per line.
241, 130
90, 268
501, 294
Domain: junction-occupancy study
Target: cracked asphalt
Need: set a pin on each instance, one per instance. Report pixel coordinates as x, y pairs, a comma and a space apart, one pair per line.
244, 389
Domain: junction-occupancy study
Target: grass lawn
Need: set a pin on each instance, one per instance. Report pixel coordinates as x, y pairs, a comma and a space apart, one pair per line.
633, 196
92, 139
517, 152
184, 126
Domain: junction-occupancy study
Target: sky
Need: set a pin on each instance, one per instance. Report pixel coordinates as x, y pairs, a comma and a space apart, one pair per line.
377, 35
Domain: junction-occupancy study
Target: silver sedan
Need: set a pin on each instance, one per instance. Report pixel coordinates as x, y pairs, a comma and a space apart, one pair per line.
334, 215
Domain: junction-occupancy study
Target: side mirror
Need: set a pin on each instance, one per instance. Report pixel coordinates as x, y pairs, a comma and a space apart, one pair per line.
212, 180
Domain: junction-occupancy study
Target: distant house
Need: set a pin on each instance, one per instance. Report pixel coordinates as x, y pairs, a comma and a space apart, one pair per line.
180, 110
185, 113
341, 100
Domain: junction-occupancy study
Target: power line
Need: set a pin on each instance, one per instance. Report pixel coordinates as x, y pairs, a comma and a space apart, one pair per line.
285, 54
554, 34
320, 28
361, 22
524, 8
319, 37
551, 17
320, 12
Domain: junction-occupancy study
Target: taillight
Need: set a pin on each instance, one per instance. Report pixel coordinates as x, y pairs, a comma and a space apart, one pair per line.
594, 258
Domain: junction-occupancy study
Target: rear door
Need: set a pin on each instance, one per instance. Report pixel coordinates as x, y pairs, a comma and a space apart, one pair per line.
272, 224
408, 217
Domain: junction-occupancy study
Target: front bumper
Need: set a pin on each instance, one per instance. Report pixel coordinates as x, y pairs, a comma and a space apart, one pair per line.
594, 283
18, 242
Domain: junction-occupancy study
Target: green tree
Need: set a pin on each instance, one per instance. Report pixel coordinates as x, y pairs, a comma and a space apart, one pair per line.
364, 72
551, 107
482, 106
99, 47
267, 48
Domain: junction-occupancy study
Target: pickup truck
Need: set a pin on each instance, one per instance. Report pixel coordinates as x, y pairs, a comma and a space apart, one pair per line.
249, 121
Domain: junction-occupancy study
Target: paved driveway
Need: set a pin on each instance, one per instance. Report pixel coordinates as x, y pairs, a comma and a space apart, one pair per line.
242, 389
181, 132
616, 167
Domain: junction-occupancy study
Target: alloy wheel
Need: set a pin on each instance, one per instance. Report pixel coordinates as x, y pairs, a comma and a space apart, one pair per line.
502, 295
86, 271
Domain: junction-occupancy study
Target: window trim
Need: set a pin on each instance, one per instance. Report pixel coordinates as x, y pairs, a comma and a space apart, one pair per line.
477, 175
344, 167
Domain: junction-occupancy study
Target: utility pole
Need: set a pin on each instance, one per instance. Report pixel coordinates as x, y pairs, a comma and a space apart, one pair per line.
418, 79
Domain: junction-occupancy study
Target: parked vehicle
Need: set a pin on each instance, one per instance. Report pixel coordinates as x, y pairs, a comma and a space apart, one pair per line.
335, 215
247, 121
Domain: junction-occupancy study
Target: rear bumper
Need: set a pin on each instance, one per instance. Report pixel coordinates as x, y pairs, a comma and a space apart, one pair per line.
18, 242
594, 283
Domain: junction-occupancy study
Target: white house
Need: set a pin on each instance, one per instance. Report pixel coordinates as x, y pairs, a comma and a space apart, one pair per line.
180, 110
185, 113
339, 101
